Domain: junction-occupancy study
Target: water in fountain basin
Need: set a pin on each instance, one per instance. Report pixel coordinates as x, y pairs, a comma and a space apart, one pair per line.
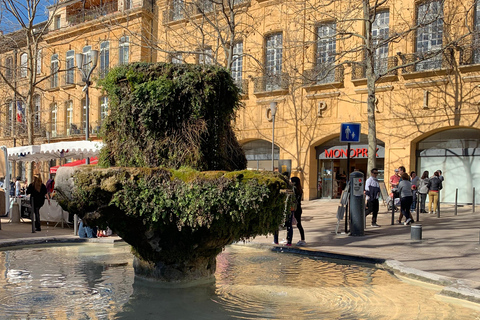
96, 281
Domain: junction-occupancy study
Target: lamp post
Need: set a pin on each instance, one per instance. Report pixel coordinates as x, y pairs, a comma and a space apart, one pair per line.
82, 65
273, 111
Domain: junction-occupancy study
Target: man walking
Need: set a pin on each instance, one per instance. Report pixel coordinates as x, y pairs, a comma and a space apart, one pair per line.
372, 192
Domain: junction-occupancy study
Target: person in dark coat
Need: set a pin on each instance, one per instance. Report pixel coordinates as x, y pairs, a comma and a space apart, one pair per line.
37, 190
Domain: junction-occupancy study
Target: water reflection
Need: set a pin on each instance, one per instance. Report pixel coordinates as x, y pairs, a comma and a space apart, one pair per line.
96, 281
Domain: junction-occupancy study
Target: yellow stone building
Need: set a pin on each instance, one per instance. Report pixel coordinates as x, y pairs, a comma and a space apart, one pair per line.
307, 58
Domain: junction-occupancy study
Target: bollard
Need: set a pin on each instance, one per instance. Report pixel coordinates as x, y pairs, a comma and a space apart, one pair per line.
416, 232
456, 200
15, 213
75, 225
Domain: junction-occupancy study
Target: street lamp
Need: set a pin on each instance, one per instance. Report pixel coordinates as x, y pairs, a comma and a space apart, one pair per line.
273, 111
82, 65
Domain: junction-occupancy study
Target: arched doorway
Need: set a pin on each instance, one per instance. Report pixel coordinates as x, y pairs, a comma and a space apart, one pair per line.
332, 171
259, 155
456, 152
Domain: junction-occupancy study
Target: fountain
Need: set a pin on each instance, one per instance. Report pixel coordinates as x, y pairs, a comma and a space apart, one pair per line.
167, 122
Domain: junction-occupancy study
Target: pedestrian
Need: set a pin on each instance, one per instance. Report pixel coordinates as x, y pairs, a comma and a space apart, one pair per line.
372, 192
394, 180
406, 198
18, 186
415, 180
38, 191
423, 190
50, 186
434, 186
440, 176
298, 210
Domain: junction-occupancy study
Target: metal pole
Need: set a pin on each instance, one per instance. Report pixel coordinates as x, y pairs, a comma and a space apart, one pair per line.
87, 107
417, 205
347, 209
473, 201
438, 205
273, 142
456, 201
393, 208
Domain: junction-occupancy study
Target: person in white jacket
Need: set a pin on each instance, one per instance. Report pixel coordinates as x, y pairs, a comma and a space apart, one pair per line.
372, 192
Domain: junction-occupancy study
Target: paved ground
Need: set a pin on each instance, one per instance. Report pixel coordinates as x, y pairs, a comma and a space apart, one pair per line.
448, 254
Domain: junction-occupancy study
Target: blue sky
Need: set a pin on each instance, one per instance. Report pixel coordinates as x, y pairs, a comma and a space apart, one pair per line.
8, 23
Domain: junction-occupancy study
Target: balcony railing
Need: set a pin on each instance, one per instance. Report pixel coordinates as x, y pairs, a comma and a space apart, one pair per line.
92, 13
425, 61
271, 82
68, 77
63, 129
381, 66
21, 129
323, 75
180, 12
242, 84
470, 55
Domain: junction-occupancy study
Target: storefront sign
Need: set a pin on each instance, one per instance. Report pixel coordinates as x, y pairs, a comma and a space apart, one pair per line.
340, 152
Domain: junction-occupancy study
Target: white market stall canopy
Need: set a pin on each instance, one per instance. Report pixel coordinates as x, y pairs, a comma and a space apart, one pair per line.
48, 151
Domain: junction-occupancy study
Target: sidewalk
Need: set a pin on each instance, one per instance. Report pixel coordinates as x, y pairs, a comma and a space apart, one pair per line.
448, 254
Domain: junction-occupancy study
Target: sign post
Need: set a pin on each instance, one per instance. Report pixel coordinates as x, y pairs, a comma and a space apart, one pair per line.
350, 133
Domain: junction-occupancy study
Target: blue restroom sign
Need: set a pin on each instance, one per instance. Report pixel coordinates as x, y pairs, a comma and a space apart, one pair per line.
350, 132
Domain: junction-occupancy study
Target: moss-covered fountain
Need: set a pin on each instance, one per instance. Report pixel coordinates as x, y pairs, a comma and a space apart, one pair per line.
171, 180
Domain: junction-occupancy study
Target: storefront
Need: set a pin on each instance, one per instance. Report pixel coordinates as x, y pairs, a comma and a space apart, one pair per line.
332, 171
456, 152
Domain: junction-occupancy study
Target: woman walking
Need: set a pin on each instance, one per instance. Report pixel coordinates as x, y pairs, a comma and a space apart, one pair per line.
434, 186
37, 190
406, 197
423, 190
298, 211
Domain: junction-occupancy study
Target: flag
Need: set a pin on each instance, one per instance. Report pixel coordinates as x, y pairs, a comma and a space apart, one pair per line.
20, 111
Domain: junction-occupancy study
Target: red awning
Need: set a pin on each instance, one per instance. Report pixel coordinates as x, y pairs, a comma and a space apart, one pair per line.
93, 160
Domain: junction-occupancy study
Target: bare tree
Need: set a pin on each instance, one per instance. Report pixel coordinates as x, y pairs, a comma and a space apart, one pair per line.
23, 77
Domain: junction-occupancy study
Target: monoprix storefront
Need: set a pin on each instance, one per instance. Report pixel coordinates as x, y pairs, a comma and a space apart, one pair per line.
332, 170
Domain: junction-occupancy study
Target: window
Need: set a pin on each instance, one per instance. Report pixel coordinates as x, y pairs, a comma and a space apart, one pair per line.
380, 32
87, 59
53, 120
476, 37
54, 71
273, 61
23, 65
123, 50
56, 22
103, 108
8, 118
128, 4
9, 67
204, 6
69, 113
326, 50
39, 61
104, 58
178, 7
36, 107
429, 34
70, 65
237, 63
177, 58
206, 56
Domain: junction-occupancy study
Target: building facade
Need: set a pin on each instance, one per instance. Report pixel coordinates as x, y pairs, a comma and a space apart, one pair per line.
319, 64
